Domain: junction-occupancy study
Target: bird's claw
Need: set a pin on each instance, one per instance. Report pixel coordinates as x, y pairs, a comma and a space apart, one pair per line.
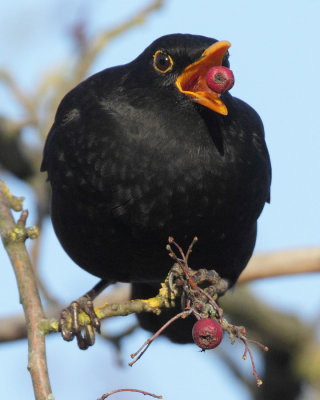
173, 274
85, 334
210, 278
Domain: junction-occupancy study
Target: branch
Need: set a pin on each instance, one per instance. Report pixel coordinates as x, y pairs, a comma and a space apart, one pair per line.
13, 236
22, 99
280, 263
297, 261
13, 327
102, 39
163, 300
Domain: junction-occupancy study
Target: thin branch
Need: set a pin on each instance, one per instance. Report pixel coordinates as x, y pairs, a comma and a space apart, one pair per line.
14, 327
13, 236
130, 390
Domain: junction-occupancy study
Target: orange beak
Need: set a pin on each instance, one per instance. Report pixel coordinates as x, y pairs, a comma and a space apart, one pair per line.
192, 81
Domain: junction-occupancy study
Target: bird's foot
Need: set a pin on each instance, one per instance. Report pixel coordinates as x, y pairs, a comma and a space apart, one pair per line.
211, 280
196, 285
199, 290
207, 279
173, 277
85, 334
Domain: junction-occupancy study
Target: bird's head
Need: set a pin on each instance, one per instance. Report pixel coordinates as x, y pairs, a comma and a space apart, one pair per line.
195, 66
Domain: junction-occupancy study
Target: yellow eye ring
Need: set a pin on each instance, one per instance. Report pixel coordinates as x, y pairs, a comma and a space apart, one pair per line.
162, 62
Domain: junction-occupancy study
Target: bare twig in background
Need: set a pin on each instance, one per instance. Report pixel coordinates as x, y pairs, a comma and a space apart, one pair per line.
293, 359
130, 390
61, 82
22, 98
14, 327
280, 263
13, 237
101, 40
116, 340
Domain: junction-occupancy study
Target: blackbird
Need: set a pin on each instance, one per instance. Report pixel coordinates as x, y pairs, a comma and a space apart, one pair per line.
148, 149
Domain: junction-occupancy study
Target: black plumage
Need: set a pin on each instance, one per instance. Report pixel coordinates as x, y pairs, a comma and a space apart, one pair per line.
132, 159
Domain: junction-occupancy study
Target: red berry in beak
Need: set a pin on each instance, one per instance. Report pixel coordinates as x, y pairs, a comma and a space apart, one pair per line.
220, 79
207, 333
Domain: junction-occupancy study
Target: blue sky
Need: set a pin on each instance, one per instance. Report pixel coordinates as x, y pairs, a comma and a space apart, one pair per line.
275, 58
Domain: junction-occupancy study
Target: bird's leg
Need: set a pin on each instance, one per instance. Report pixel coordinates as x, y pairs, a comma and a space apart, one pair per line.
85, 304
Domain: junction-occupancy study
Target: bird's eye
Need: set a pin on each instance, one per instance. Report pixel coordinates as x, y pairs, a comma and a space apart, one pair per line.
162, 62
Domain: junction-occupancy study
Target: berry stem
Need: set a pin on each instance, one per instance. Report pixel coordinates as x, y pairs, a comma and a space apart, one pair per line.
139, 353
244, 357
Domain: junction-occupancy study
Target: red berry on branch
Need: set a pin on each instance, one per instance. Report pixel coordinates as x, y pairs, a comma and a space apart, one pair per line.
207, 333
220, 79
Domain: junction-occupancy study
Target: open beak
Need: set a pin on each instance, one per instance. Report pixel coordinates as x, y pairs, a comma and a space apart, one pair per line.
192, 81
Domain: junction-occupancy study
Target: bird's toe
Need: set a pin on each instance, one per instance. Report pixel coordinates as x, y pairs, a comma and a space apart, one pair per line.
71, 327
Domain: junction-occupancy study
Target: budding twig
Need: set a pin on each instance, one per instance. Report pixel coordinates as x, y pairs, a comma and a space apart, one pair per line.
183, 263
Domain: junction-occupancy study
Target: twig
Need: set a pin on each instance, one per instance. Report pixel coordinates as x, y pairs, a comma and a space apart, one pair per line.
129, 390
154, 304
85, 60
281, 263
194, 302
13, 236
244, 357
14, 327
102, 39
19, 95
183, 262
115, 340
139, 353
13, 202
194, 241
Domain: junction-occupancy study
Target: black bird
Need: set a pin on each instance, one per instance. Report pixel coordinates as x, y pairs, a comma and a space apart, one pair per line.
145, 150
